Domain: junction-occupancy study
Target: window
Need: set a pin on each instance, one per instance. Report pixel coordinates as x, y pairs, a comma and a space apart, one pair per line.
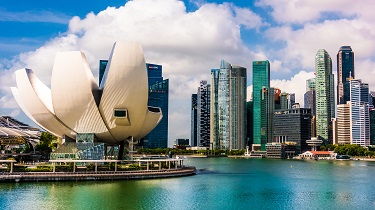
120, 112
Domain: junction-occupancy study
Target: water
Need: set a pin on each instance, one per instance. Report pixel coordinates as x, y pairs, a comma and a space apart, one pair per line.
220, 183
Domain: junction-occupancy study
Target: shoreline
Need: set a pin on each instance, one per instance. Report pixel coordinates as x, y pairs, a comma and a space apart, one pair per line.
95, 176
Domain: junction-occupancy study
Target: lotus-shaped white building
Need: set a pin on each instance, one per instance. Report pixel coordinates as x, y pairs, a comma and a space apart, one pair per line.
75, 105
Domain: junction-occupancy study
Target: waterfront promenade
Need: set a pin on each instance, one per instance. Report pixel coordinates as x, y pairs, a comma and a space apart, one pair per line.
100, 175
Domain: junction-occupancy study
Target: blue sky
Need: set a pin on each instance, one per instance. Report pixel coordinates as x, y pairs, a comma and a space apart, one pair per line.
188, 38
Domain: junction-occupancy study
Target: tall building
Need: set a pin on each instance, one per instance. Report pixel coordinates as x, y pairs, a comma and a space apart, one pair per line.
214, 110
345, 71
372, 126
324, 96
284, 100
267, 108
293, 125
261, 79
360, 117
228, 106
277, 98
309, 96
250, 131
158, 96
203, 114
291, 100
194, 122
343, 130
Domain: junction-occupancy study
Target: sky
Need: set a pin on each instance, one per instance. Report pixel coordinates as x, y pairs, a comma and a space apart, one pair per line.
188, 38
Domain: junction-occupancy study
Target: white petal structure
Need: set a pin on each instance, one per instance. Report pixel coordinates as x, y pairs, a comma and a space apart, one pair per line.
76, 105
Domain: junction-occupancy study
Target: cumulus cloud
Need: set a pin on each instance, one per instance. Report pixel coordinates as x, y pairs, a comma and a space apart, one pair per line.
187, 44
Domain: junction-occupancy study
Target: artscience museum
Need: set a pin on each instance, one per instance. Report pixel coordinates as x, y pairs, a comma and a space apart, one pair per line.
77, 109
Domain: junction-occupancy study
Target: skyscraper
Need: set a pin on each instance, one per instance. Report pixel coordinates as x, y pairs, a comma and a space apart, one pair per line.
309, 96
203, 114
158, 96
343, 124
284, 100
345, 71
291, 100
194, 124
359, 108
267, 108
324, 96
228, 107
261, 79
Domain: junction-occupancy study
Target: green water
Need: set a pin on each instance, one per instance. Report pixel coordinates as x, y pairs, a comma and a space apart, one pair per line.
221, 183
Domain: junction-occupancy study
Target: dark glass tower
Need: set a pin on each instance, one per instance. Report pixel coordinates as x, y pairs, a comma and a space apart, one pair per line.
158, 96
345, 71
203, 114
194, 130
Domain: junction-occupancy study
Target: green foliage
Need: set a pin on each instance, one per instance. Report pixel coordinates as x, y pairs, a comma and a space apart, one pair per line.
47, 143
351, 149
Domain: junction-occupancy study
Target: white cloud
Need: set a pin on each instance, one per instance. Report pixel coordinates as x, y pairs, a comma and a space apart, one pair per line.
297, 85
303, 11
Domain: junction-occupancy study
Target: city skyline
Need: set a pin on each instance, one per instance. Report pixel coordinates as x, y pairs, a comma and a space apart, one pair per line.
285, 33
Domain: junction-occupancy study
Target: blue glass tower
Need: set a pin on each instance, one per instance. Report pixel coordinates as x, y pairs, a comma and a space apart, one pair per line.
158, 96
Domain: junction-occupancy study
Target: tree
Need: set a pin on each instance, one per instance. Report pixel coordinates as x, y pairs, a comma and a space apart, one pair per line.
46, 144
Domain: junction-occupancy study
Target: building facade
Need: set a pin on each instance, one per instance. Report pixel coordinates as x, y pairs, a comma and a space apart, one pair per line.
203, 114
293, 125
345, 72
261, 79
343, 129
266, 112
158, 96
359, 108
228, 101
310, 95
194, 121
324, 96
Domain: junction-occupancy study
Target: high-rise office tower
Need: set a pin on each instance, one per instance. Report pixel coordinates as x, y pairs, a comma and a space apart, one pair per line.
194, 123
284, 100
309, 96
345, 72
372, 126
359, 112
343, 131
158, 96
324, 96
277, 99
291, 100
203, 114
372, 98
261, 79
228, 107
250, 131
267, 108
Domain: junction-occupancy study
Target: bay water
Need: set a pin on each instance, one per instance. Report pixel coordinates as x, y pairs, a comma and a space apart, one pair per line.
220, 183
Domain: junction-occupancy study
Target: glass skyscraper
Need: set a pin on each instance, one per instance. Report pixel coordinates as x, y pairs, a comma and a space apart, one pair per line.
360, 117
345, 72
324, 96
267, 107
194, 125
309, 96
261, 79
228, 107
203, 114
158, 96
